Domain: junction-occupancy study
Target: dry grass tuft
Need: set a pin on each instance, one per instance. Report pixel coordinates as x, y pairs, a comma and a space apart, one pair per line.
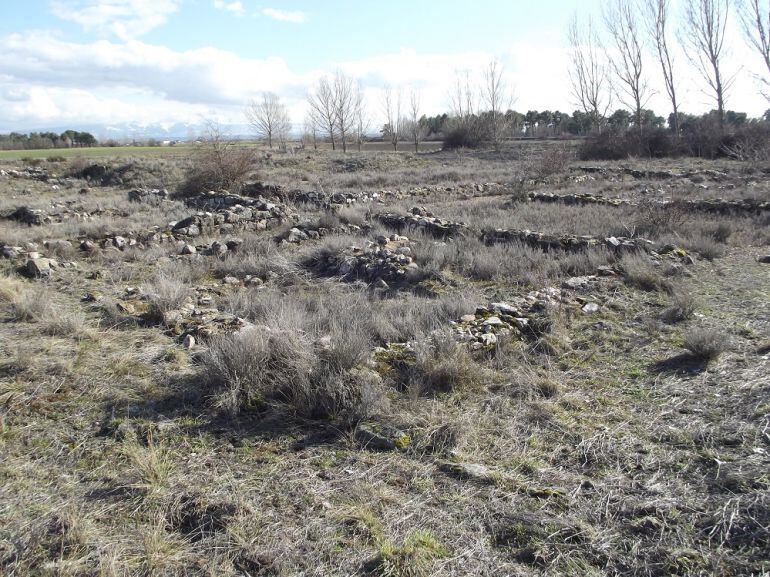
705, 343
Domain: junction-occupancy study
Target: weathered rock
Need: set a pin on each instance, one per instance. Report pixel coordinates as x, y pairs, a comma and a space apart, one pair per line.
468, 472
40, 267
419, 219
765, 259
381, 437
578, 282
148, 195
590, 308
572, 243
29, 216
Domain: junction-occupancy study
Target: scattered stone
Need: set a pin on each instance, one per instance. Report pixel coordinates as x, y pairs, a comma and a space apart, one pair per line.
578, 282
590, 308
421, 220
148, 195
381, 437
765, 259
188, 342
187, 249
468, 472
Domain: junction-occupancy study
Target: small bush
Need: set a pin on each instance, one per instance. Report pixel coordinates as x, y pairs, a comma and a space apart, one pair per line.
70, 324
221, 165
321, 378
705, 343
653, 220
640, 273
682, 307
442, 365
705, 246
553, 160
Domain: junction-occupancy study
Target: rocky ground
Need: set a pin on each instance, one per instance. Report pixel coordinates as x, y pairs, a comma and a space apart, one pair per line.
386, 364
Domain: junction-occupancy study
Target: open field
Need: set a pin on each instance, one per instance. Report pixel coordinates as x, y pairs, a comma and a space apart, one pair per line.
446, 363
176, 151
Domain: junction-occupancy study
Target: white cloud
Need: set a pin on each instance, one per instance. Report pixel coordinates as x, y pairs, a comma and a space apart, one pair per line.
235, 7
295, 16
47, 79
124, 19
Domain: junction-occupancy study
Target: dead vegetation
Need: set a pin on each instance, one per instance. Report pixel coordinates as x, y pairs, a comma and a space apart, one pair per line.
510, 410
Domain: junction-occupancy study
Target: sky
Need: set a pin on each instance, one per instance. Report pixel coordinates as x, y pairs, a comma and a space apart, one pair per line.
112, 62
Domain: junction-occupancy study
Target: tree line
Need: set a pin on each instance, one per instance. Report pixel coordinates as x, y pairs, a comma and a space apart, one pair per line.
610, 71
46, 140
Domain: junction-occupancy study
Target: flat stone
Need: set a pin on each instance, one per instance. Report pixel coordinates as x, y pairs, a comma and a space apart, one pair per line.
468, 472
381, 437
41, 267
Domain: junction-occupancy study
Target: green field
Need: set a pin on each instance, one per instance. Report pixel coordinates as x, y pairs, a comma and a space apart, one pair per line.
99, 152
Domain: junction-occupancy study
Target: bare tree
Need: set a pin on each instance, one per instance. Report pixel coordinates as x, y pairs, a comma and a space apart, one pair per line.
588, 72
416, 130
462, 98
620, 17
269, 118
361, 119
755, 19
496, 100
344, 107
704, 29
311, 130
323, 109
392, 109
657, 19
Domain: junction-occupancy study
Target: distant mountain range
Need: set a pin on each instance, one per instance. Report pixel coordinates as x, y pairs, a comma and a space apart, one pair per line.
137, 131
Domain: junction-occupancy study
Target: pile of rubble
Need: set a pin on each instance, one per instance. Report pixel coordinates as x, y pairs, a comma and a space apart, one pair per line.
331, 199
261, 189
233, 213
723, 206
575, 243
612, 171
195, 318
579, 198
422, 220
717, 205
29, 216
385, 263
57, 213
313, 231
30, 172
148, 195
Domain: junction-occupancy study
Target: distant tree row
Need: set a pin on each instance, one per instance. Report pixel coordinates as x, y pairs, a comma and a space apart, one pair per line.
550, 124
610, 64
46, 140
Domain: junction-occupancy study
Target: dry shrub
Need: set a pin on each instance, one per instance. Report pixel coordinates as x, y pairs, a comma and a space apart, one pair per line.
442, 365
705, 343
653, 219
221, 164
30, 305
65, 324
317, 379
681, 307
551, 161
638, 272
166, 293
706, 246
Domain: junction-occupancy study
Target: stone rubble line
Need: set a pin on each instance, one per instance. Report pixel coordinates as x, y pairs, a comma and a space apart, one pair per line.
716, 205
